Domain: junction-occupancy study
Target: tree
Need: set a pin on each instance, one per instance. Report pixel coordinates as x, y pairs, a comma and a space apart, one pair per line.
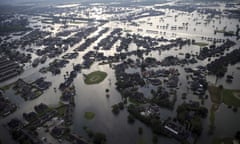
220, 87
196, 126
235, 109
237, 135
156, 126
155, 139
99, 138
140, 130
115, 109
107, 90
131, 119
121, 105
90, 133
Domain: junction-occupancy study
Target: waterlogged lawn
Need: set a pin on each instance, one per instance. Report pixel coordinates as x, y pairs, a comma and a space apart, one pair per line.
201, 44
6, 87
231, 97
141, 141
95, 77
226, 96
222, 141
89, 115
61, 110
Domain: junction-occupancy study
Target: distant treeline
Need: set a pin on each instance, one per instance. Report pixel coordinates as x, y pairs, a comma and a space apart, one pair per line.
214, 0
9, 29
125, 2
10, 9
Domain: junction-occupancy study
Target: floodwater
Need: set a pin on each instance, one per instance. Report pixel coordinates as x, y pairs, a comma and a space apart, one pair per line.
93, 97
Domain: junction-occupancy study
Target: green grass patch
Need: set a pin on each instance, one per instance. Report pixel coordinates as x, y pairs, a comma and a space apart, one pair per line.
133, 101
95, 77
141, 141
201, 44
228, 33
231, 97
61, 110
222, 141
219, 31
6, 87
44, 112
227, 96
38, 93
89, 115
127, 31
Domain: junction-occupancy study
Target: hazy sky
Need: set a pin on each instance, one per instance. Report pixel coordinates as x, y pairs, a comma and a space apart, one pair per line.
64, 1
57, 1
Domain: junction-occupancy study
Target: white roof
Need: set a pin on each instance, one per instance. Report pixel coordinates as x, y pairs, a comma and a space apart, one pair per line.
170, 129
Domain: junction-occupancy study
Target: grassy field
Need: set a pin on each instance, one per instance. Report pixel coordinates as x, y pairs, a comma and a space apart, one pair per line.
61, 110
226, 96
95, 77
219, 31
6, 87
218, 96
230, 99
89, 115
38, 93
201, 44
141, 141
222, 141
